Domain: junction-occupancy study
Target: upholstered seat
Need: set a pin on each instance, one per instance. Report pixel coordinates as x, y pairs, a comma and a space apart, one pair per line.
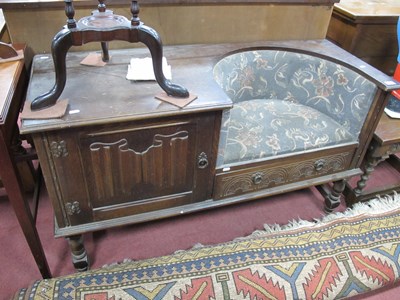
288, 102
261, 128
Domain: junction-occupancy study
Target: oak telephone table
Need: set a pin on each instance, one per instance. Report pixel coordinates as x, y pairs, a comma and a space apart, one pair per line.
120, 156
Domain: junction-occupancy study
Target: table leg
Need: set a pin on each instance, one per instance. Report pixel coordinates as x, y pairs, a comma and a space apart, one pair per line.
78, 252
369, 167
21, 208
375, 155
332, 200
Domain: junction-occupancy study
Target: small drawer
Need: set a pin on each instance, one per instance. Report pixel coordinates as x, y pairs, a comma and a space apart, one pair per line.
277, 172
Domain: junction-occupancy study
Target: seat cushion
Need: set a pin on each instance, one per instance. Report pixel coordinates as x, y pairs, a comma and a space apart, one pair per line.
261, 128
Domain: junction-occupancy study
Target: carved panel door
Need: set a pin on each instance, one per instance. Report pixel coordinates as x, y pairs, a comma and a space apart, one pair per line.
111, 171
138, 169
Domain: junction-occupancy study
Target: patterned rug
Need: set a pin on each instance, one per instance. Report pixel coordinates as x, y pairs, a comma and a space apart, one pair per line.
342, 255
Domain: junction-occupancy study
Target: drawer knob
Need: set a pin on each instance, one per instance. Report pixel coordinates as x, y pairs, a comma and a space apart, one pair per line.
319, 164
202, 161
257, 178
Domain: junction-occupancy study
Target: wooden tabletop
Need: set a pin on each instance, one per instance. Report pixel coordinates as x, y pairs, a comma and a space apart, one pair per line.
103, 95
9, 75
388, 130
369, 10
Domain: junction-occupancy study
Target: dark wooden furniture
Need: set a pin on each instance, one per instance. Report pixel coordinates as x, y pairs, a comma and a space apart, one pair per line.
126, 157
368, 29
13, 81
119, 156
103, 26
384, 145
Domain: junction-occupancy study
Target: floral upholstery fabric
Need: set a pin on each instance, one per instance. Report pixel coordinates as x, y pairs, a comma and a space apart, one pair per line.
261, 128
320, 103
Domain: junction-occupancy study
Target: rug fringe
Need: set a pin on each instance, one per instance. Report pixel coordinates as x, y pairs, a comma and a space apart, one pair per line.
379, 205
118, 263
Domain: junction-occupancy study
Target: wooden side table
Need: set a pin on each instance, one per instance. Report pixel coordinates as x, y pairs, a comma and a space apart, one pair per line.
385, 143
367, 29
13, 80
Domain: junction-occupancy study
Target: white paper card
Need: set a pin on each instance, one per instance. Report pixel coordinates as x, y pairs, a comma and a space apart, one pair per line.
142, 69
392, 114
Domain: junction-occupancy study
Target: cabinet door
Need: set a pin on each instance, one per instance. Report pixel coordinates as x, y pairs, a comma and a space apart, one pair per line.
133, 168
138, 169
104, 172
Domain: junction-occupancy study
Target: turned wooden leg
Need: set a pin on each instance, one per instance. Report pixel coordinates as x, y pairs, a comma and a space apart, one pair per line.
332, 200
78, 252
369, 167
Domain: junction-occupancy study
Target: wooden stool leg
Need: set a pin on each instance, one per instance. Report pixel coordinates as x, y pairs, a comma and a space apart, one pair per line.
105, 54
78, 252
59, 48
151, 39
